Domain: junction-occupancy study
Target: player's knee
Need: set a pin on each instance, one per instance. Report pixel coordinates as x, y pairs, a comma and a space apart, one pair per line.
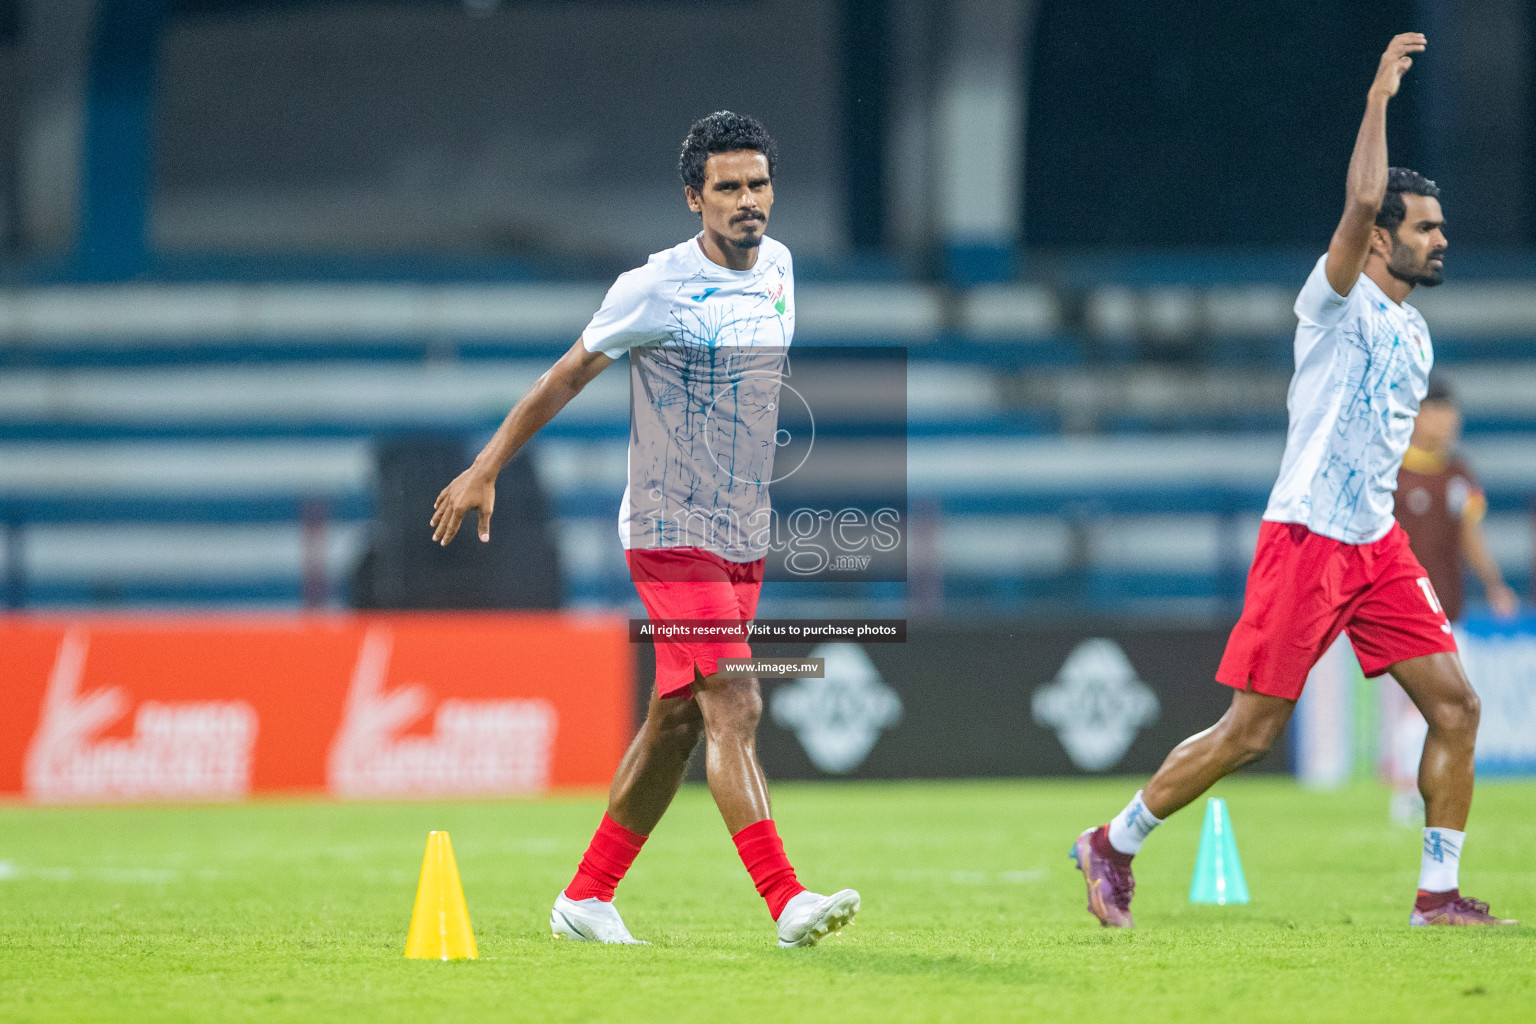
732, 707
681, 733
1253, 748
675, 723
750, 706
1459, 714
1247, 742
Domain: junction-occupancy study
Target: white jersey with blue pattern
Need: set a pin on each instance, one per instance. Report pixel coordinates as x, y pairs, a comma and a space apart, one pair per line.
707, 347
1362, 367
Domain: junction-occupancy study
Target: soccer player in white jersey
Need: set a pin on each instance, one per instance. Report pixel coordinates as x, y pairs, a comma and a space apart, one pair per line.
1330, 556
701, 322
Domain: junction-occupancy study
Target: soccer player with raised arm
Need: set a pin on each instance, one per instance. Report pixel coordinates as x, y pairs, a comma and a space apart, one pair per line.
1330, 557
706, 325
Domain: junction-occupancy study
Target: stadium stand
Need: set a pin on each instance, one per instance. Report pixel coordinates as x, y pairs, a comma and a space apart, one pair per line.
1097, 448
1097, 378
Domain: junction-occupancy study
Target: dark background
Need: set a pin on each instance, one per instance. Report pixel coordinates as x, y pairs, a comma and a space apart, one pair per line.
966, 695
1204, 122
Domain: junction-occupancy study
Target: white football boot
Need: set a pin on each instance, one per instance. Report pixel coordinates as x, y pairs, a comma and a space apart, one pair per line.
589, 920
810, 917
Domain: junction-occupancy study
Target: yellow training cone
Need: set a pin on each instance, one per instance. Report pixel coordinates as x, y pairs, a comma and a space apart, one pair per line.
440, 927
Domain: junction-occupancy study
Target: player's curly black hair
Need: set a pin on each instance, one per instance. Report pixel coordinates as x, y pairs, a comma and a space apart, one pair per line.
1400, 180
722, 132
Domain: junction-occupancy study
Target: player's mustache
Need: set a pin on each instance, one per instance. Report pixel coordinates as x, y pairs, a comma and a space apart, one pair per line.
750, 215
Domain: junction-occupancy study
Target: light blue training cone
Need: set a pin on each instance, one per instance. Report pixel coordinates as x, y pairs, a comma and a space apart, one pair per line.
1218, 869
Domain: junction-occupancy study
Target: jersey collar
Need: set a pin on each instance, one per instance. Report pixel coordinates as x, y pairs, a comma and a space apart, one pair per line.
697, 245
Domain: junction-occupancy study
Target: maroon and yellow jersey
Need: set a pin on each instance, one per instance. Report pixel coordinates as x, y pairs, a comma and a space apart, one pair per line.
1435, 496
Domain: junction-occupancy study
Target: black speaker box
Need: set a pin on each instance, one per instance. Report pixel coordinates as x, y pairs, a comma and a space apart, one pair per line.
403, 568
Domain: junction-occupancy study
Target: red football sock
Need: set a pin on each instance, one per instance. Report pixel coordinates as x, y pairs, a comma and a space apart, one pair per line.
1435, 900
612, 850
762, 851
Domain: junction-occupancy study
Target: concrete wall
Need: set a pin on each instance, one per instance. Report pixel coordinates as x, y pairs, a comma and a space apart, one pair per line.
539, 127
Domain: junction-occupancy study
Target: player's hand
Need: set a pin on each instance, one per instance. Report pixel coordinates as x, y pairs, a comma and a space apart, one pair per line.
1396, 62
1503, 602
471, 489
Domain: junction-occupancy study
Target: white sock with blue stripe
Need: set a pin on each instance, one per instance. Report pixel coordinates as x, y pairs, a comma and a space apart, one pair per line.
1442, 859
1130, 828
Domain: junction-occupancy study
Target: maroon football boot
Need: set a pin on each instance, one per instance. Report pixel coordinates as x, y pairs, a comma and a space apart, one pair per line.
1452, 908
1107, 873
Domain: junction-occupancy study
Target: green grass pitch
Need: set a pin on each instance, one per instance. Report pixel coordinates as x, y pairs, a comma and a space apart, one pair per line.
972, 912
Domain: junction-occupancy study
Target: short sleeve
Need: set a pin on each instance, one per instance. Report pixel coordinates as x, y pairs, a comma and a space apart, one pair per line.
1318, 303
630, 315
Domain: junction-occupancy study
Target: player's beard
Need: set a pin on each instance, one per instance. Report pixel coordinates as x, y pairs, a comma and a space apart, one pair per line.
1414, 272
752, 241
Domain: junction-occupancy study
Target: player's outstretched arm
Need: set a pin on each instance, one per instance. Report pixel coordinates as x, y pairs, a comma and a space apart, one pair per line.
1367, 182
475, 488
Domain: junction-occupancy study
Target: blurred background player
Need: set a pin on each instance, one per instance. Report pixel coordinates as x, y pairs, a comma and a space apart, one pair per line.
699, 321
1330, 557
1441, 506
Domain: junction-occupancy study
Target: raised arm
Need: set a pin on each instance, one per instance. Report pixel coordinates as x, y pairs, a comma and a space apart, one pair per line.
475, 488
1367, 181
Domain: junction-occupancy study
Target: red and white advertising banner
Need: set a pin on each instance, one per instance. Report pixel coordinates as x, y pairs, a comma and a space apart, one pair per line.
387, 706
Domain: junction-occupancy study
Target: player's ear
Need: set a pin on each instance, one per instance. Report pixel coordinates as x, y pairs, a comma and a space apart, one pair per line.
695, 201
1381, 242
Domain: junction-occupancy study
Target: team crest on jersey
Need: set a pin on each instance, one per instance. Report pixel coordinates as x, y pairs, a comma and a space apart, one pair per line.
779, 302
1419, 344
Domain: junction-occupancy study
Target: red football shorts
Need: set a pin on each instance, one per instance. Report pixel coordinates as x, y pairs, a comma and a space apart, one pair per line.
1304, 589
691, 583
